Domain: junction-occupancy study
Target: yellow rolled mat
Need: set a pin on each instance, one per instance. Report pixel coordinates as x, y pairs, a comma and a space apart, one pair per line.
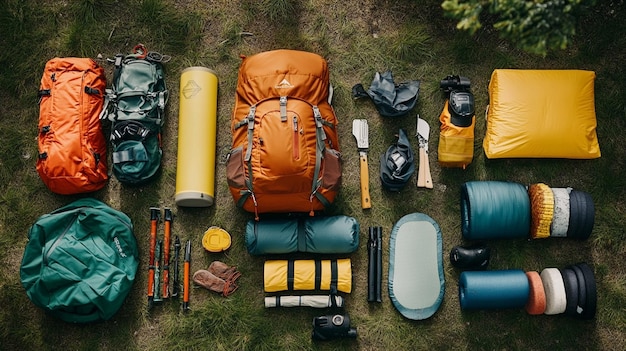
197, 124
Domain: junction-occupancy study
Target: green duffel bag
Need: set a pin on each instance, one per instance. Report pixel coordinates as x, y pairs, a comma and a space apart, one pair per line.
80, 261
323, 235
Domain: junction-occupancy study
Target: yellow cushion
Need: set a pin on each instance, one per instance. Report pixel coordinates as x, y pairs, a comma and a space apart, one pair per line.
541, 114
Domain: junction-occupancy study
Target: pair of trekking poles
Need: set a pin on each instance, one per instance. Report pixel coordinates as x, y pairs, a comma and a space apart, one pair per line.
159, 263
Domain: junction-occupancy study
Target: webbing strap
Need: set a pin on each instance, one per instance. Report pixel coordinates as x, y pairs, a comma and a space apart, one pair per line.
130, 155
250, 122
283, 108
333, 275
301, 236
91, 91
108, 96
318, 275
320, 137
290, 272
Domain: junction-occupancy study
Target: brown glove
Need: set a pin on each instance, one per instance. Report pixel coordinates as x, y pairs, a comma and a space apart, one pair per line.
211, 282
224, 271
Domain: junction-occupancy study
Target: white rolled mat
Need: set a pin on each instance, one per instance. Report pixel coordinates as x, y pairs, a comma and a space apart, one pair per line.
315, 301
556, 300
560, 219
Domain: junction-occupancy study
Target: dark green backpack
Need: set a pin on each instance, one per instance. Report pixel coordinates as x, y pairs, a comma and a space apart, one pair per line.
135, 105
80, 261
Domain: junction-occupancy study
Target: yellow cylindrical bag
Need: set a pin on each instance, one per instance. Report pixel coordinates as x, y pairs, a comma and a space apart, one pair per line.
284, 275
456, 143
197, 124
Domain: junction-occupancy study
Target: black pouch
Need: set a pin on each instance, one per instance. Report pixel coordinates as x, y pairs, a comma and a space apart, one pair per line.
390, 99
397, 165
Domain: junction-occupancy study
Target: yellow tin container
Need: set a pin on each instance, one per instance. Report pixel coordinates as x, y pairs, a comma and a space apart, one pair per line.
216, 239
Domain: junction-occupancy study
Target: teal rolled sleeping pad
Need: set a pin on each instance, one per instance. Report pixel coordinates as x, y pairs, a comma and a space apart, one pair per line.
494, 210
324, 235
501, 289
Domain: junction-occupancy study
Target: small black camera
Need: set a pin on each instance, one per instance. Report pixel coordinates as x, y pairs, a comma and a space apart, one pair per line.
451, 83
333, 327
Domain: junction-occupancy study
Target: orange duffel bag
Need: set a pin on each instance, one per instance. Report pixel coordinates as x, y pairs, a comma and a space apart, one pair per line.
72, 147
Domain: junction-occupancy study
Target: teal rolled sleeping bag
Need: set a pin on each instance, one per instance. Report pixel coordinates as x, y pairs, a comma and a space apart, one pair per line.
498, 289
494, 210
324, 235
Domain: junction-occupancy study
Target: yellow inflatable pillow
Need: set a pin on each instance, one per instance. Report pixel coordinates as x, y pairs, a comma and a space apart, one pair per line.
541, 114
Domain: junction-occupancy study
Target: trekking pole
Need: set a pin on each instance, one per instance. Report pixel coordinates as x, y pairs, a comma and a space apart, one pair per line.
379, 263
157, 272
166, 253
176, 284
371, 265
186, 276
154, 219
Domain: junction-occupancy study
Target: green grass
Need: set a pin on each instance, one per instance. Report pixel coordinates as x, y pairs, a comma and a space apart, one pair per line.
415, 41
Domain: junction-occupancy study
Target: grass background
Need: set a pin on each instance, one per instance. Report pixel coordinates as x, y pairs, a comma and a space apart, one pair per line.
358, 38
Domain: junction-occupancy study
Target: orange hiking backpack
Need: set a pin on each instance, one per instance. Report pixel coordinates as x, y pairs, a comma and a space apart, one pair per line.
285, 154
72, 146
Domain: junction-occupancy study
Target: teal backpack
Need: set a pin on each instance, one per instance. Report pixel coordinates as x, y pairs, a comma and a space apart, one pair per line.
80, 261
135, 105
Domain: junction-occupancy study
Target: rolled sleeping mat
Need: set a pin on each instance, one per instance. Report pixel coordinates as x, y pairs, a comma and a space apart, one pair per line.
494, 210
290, 275
560, 220
541, 210
324, 235
588, 285
197, 138
500, 289
570, 281
582, 215
315, 301
536, 304
582, 290
556, 298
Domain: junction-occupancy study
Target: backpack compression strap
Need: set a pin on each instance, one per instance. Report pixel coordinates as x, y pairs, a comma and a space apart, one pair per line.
249, 121
320, 137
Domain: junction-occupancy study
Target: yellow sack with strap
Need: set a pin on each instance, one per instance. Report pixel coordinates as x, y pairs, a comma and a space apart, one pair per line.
331, 275
457, 119
456, 143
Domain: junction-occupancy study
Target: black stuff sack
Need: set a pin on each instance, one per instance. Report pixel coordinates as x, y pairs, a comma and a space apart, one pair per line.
390, 99
397, 165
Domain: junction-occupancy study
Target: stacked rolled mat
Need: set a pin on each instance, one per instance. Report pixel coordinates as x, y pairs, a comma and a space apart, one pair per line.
498, 210
570, 290
333, 235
